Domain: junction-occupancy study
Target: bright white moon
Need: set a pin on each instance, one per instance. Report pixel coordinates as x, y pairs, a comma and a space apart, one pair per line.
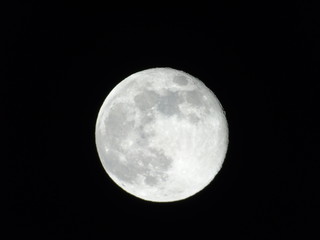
161, 135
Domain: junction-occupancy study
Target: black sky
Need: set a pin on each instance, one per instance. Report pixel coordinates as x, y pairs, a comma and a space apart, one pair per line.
62, 59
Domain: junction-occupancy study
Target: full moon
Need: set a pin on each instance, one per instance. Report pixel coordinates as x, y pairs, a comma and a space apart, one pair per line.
161, 135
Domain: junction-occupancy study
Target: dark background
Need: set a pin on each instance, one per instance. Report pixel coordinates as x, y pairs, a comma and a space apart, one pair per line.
62, 59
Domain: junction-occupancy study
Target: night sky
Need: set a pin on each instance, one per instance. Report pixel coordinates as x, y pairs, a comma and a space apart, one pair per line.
62, 59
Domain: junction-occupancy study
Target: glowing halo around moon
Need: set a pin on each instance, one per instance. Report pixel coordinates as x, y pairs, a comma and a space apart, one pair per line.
161, 135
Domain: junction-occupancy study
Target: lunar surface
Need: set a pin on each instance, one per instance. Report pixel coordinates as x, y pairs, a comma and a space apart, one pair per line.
161, 135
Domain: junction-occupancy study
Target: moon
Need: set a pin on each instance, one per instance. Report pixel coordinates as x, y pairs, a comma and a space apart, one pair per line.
161, 135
